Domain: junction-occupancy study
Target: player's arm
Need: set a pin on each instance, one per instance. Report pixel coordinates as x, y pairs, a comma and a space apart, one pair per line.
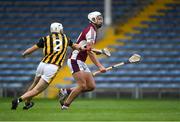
94, 59
79, 47
35, 47
75, 46
30, 50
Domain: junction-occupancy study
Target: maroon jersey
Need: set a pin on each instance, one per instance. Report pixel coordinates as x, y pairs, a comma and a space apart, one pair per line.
89, 34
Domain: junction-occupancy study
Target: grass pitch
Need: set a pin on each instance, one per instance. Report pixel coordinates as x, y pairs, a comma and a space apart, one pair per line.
94, 110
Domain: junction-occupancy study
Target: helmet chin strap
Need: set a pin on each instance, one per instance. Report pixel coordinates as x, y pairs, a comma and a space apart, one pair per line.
98, 26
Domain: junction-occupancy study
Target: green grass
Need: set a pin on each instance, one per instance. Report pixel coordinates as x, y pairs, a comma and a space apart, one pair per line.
94, 109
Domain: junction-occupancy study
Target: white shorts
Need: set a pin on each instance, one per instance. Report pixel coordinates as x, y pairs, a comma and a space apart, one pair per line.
77, 65
46, 71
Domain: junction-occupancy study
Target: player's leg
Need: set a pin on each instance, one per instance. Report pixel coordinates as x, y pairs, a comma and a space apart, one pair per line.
48, 72
39, 72
28, 102
41, 86
63, 94
90, 82
80, 72
90, 86
80, 78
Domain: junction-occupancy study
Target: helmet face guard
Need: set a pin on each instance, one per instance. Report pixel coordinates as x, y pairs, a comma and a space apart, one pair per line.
96, 18
56, 27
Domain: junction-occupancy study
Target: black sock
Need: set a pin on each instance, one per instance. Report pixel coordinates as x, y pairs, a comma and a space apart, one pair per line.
20, 100
66, 104
68, 90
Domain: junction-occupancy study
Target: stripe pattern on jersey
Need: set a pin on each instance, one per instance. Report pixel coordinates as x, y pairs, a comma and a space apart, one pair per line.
55, 47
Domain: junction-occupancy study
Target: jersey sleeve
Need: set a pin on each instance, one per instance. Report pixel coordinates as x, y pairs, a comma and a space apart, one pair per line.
91, 35
40, 44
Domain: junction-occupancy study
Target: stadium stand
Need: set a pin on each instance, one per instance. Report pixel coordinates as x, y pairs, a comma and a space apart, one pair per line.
158, 44
123, 10
24, 22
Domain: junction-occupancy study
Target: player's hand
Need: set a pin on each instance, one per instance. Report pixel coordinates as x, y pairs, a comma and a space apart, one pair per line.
86, 48
102, 69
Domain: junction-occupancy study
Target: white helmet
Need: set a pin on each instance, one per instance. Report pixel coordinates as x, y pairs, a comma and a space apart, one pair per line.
92, 16
56, 27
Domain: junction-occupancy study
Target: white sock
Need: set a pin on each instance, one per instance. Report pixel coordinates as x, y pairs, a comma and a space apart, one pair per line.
65, 92
64, 107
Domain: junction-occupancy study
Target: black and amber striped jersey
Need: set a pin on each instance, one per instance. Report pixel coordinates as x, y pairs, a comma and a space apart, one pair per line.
54, 48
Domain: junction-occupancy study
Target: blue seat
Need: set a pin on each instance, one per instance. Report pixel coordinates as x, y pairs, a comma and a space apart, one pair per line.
158, 44
159, 47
